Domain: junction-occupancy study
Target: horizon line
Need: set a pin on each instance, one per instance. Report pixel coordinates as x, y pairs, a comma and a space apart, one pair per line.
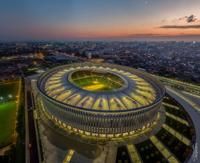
122, 37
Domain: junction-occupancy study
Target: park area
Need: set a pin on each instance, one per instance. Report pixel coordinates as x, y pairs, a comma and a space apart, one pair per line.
9, 101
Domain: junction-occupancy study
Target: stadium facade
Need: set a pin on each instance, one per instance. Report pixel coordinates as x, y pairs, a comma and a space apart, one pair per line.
99, 100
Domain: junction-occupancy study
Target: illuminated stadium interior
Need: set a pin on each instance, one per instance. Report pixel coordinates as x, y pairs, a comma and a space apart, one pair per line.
92, 80
100, 100
106, 88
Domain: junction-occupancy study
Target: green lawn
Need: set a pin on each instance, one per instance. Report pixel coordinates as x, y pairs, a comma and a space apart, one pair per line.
8, 108
7, 122
96, 84
9, 88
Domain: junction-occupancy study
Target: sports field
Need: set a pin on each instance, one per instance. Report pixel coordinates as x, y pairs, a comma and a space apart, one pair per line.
94, 81
9, 95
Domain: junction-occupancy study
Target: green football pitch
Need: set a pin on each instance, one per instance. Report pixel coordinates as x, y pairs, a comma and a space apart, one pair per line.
8, 88
8, 108
97, 83
7, 122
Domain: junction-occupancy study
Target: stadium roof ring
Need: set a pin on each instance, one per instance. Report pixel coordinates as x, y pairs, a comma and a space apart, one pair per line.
102, 99
138, 89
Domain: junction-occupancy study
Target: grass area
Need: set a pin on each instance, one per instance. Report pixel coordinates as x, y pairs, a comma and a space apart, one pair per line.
187, 131
96, 87
16, 154
179, 149
96, 84
149, 152
29, 71
122, 155
96, 81
8, 88
8, 106
172, 139
177, 112
7, 122
169, 100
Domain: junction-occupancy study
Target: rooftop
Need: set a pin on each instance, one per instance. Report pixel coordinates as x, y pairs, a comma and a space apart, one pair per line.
100, 87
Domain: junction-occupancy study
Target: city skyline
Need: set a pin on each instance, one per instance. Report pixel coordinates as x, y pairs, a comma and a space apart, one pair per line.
36, 20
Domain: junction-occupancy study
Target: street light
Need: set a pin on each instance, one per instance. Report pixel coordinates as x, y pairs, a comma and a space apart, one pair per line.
10, 96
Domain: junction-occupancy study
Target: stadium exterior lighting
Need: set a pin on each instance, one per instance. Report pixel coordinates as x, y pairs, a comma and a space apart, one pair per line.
10, 96
104, 101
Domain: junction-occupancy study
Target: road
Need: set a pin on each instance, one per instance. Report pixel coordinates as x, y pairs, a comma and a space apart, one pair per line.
195, 115
31, 140
194, 98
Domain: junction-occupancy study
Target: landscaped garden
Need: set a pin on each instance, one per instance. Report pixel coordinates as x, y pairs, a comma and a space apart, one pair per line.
172, 143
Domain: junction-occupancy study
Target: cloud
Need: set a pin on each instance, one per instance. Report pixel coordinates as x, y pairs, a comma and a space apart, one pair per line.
187, 19
185, 22
191, 18
196, 26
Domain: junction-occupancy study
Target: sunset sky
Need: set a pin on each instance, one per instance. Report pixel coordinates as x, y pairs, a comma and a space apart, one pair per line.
85, 19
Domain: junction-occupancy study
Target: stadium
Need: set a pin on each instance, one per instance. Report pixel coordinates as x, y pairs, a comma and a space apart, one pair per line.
100, 100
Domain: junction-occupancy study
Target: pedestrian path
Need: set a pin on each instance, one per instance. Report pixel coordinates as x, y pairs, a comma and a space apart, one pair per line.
165, 152
134, 155
68, 156
177, 118
178, 135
